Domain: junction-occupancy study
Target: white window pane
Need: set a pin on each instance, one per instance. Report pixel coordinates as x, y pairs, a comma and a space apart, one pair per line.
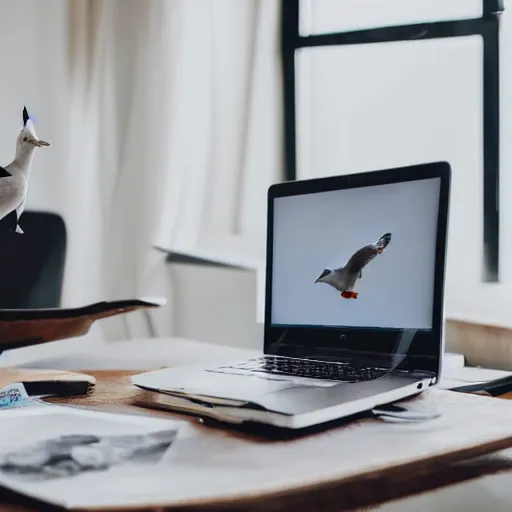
369, 107
322, 16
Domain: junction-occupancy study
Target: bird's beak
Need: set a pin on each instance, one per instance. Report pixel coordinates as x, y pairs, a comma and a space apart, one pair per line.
316, 281
39, 143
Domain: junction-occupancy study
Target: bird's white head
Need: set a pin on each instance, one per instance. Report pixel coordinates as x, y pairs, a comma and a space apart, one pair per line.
27, 138
324, 276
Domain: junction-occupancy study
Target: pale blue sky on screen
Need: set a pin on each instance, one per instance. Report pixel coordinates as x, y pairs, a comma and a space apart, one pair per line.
317, 231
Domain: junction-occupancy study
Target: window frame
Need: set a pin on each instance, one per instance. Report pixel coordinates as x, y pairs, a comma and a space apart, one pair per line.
487, 26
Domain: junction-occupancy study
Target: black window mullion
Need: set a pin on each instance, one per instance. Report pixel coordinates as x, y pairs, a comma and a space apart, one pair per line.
289, 43
491, 150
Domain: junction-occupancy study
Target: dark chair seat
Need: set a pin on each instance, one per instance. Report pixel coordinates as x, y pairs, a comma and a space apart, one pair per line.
32, 264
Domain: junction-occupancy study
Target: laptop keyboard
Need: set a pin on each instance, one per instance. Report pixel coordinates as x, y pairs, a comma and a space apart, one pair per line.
279, 365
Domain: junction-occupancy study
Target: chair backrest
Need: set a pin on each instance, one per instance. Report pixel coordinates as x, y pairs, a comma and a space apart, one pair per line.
32, 264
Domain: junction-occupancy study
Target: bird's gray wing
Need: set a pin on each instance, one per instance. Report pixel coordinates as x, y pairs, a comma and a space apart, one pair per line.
9, 222
361, 258
12, 193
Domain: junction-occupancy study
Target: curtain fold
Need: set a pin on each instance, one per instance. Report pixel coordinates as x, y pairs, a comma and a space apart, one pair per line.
175, 123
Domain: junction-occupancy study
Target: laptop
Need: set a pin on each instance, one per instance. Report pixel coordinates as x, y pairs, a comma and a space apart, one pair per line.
354, 303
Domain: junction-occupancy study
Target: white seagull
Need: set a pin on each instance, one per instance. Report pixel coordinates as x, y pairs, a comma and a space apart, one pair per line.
14, 177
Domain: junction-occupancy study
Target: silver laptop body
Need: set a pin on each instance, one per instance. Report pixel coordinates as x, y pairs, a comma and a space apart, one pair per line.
354, 302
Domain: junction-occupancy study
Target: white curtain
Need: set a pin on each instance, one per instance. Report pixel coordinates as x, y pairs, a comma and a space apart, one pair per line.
175, 135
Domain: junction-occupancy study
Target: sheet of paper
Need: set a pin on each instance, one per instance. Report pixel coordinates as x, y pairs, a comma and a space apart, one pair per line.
58, 454
474, 374
141, 461
470, 375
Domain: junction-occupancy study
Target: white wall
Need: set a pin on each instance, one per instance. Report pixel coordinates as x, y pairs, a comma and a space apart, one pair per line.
367, 107
217, 305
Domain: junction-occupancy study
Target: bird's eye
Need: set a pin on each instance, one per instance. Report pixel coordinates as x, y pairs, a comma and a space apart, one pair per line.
25, 139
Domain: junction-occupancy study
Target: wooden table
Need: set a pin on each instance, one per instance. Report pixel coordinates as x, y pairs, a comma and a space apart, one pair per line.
114, 392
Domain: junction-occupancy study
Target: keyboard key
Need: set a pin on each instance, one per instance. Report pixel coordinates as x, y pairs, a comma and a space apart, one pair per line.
309, 369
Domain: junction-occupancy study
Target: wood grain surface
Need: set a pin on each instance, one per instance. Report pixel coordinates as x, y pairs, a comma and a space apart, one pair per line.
114, 392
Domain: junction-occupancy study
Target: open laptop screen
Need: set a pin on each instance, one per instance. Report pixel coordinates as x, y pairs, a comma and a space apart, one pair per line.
356, 262
360, 257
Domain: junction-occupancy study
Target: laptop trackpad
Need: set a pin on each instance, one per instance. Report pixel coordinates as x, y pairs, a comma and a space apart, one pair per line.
200, 381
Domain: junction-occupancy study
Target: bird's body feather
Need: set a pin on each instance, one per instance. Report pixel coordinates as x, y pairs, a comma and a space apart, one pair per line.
342, 280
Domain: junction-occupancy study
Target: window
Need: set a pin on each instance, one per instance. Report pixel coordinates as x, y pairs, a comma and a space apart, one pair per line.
367, 87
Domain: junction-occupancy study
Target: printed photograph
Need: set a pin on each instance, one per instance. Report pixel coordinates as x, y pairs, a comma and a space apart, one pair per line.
55, 449
69, 455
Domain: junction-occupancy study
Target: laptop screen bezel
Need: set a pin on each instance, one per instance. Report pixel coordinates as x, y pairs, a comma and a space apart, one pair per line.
425, 352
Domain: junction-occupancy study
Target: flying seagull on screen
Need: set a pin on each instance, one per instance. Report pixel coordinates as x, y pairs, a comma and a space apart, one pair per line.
344, 278
14, 177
